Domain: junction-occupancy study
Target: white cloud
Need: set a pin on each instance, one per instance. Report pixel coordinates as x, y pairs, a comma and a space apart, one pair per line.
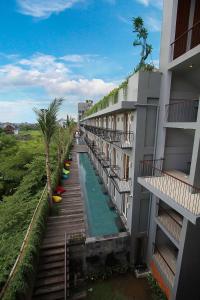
77, 58
53, 75
154, 24
44, 8
156, 3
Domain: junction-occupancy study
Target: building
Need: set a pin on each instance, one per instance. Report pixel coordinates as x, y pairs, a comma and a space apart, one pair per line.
119, 136
10, 129
146, 146
82, 107
172, 178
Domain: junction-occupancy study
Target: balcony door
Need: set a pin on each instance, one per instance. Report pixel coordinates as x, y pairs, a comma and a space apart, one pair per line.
126, 167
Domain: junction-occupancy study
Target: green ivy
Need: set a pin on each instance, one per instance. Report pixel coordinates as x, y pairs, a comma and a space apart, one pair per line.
157, 293
111, 98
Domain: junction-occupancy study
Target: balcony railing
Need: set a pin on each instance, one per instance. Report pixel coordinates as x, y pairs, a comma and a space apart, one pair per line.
122, 185
170, 222
120, 138
183, 193
100, 156
186, 41
163, 262
182, 111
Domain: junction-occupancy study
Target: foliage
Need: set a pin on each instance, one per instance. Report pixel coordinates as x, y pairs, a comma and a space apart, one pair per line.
47, 118
141, 40
111, 98
15, 155
102, 291
157, 293
17, 209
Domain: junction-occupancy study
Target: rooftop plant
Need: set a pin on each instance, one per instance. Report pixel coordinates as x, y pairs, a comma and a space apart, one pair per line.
146, 50
141, 40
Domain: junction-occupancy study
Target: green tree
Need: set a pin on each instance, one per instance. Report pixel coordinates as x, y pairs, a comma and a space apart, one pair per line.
141, 40
47, 120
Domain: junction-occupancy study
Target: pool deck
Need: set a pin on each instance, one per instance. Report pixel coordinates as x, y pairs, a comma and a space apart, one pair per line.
50, 280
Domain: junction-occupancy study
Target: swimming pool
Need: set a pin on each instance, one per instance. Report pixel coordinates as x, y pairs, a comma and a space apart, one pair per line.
101, 220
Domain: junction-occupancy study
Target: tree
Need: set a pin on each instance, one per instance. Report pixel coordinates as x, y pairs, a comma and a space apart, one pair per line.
47, 120
141, 40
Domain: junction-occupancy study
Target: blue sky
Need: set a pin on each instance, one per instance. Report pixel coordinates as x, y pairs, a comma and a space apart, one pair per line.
76, 49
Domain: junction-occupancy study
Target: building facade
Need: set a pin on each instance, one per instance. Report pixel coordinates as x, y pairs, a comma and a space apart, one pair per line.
172, 178
146, 148
82, 107
118, 137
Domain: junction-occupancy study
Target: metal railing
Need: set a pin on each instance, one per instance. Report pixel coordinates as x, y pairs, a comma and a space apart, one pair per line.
123, 185
156, 249
122, 139
182, 111
186, 41
162, 209
180, 191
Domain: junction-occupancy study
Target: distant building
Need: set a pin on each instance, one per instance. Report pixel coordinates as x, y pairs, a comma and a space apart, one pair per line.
10, 129
62, 123
82, 107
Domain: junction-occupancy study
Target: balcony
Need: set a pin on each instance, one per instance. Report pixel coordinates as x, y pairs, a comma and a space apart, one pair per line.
171, 221
182, 111
166, 260
119, 138
122, 185
172, 187
186, 41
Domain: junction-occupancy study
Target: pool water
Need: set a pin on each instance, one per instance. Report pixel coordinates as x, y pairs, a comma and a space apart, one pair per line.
101, 220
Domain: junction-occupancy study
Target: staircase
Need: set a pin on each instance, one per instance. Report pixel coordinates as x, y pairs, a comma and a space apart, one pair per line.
50, 281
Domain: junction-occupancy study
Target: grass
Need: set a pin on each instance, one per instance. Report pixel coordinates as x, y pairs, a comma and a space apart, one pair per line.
121, 287
104, 290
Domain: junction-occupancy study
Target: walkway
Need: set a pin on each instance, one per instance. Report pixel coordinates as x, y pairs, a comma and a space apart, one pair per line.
50, 281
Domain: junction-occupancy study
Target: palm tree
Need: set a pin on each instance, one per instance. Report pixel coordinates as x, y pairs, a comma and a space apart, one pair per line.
47, 119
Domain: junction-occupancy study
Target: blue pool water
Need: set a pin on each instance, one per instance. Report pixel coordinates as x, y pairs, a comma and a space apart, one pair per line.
101, 220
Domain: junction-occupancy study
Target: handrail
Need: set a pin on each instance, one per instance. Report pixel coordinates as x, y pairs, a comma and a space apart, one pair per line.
181, 101
168, 174
185, 32
165, 210
182, 111
24, 245
160, 253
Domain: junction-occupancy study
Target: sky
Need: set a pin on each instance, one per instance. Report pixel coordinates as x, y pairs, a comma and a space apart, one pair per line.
76, 49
